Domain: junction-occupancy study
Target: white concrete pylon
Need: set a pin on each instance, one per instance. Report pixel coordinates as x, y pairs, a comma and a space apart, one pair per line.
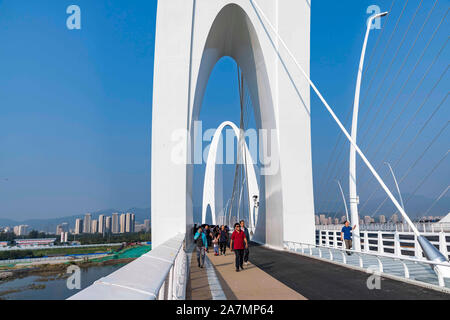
212, 185
191, 36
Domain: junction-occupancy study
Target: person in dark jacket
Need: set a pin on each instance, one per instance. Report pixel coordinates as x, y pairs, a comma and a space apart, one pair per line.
209, 236
201, 246
223, 240
247, 235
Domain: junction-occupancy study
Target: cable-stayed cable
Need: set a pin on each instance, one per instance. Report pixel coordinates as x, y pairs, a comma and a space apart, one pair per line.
366, 113
403, 86
412, 118
437, 200
416, 162
427, 176
409, 101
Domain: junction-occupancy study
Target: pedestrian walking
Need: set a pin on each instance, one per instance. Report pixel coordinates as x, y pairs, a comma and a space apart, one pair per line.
201, 246
208, 234
238, 243
346, 236
247, 235
223, 239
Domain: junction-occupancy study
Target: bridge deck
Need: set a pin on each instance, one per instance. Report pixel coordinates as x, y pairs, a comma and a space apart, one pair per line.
219, 280
282, 275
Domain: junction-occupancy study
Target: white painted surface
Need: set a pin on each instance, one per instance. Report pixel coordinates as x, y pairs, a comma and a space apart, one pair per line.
143, 278
213, 182
191, 37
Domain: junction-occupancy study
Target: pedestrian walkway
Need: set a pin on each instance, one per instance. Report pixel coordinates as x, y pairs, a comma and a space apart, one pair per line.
317, 279
281, 275
252, 283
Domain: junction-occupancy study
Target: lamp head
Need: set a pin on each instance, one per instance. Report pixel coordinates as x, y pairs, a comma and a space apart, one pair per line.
379, 15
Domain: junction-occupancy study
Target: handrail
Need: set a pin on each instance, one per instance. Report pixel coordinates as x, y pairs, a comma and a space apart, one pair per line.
378, 256
159, 274
375, 254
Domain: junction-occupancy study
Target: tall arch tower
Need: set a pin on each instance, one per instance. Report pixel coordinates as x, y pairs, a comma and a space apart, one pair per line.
191, 36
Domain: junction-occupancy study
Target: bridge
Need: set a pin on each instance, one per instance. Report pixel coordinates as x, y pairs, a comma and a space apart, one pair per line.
290, 258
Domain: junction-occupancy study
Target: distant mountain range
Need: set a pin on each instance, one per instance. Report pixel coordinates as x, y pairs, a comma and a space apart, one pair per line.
416, 207
49, 225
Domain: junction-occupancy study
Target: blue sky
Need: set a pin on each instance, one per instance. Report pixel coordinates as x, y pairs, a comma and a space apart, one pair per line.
75, 110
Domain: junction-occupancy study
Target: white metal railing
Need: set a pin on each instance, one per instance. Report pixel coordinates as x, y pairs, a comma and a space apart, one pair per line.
394, 243
160, 274
307, 249
422, 227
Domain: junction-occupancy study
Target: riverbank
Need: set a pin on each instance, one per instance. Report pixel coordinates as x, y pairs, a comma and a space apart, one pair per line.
59, 268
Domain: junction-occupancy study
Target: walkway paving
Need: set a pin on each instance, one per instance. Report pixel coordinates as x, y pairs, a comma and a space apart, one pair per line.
321, 280
280, 275
252, 283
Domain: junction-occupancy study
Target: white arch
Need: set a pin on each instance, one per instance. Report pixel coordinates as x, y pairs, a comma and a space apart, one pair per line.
212, 185
191, 36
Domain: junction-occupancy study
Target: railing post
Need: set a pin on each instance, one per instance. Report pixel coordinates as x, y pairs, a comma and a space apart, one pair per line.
443, 244
366, 241
361, 263
406, 270
161, 291
380, 264
417, 248
321, 238
335, 239
170, 289
397, 251
440, 277
380, 242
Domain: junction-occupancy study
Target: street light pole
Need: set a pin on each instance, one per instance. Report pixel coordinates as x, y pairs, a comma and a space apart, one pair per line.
396, 184
343, 199
430, 251
354, 199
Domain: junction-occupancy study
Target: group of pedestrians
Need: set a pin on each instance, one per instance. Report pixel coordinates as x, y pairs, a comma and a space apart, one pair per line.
219, 239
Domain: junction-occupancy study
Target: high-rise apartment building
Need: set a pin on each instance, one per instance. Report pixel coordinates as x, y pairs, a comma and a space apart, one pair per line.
87, 223
107, 225
63, 227
101, 224
94, 226
394, 218
78, 226
122, 223
128, 222
115, 228
147, 225
21, 230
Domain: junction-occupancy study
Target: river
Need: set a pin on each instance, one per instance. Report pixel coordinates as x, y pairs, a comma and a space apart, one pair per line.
51, 287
